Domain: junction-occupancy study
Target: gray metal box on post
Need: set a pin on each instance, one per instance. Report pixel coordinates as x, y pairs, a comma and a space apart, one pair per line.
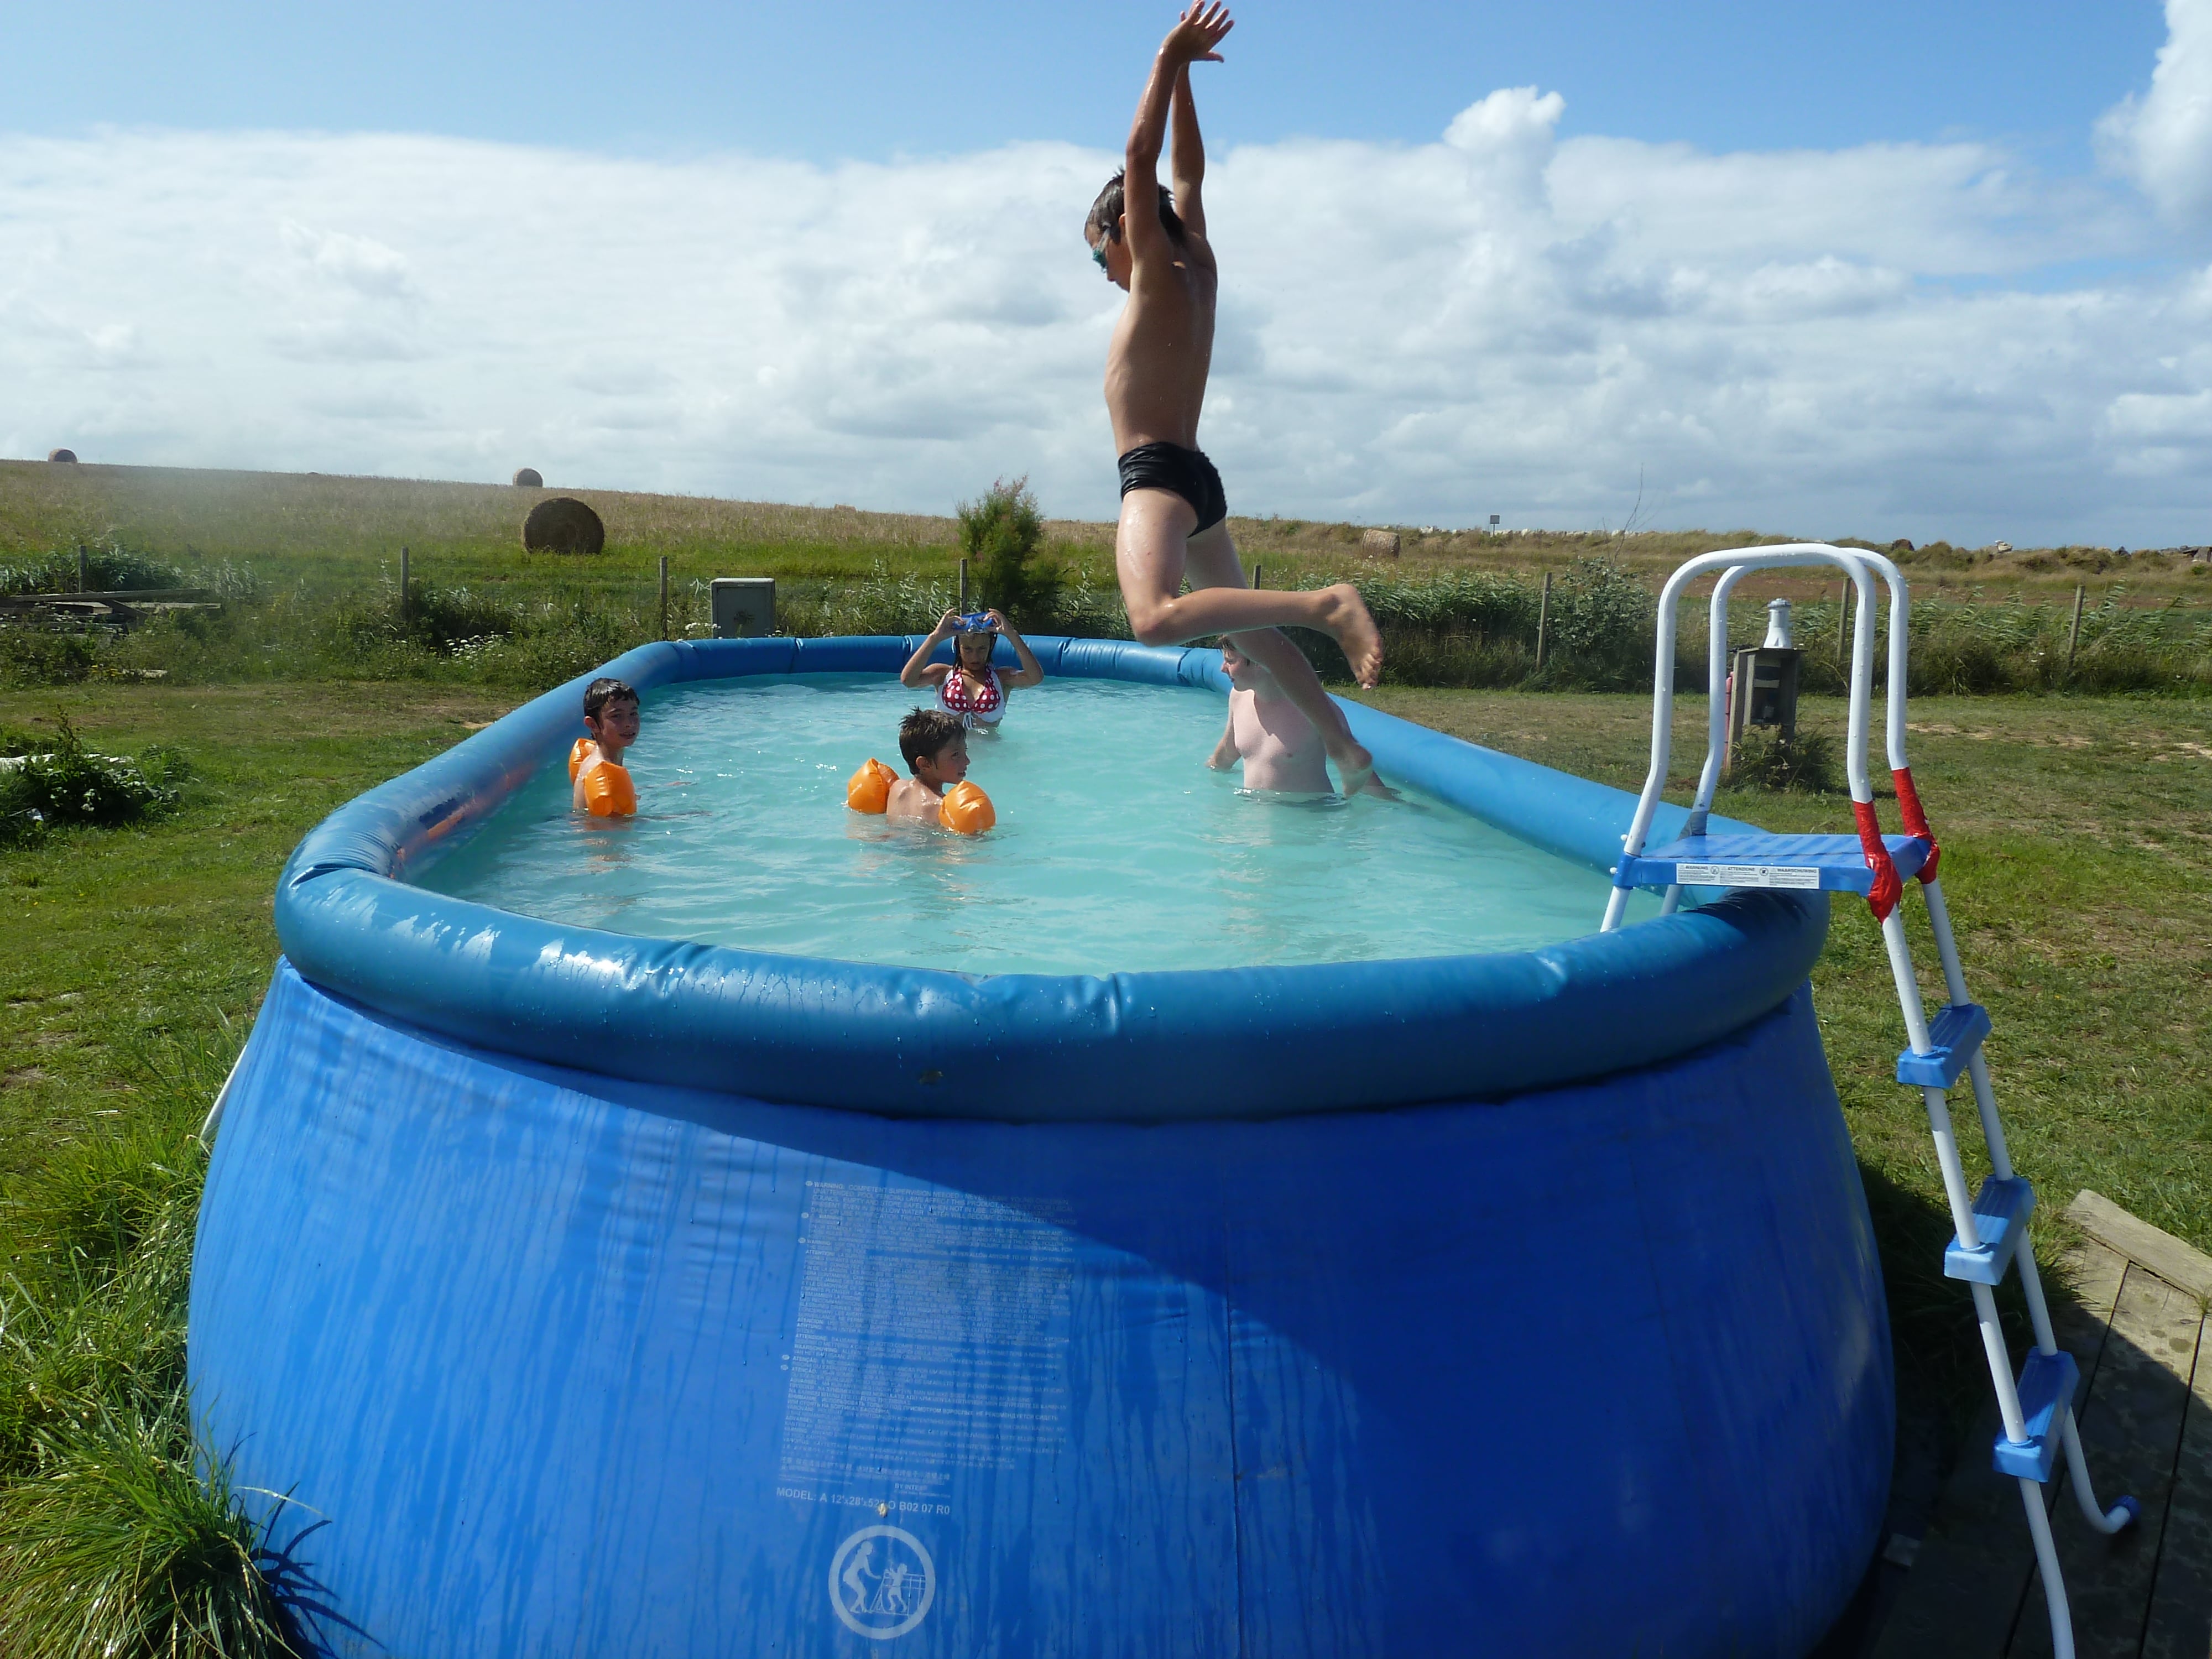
744, 606
1763, 689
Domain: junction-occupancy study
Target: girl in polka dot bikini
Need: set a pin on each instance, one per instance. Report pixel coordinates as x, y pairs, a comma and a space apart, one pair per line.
968, 685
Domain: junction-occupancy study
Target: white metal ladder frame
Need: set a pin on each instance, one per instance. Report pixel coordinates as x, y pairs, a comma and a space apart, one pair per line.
1855, 563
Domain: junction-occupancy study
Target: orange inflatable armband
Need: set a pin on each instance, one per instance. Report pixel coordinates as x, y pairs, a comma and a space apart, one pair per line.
869, 789
608, 792
967, 810
578, 752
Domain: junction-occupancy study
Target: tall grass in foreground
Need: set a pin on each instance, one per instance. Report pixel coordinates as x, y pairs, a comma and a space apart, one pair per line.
120, 1534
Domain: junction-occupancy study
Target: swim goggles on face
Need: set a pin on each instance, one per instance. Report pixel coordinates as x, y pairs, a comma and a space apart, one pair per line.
976, 621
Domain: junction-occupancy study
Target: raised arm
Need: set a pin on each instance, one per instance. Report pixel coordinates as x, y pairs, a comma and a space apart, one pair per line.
1031, 672
1187, 160
1193, 39
919, 669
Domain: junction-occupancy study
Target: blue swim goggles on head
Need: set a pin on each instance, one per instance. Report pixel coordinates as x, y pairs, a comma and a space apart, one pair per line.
976, 622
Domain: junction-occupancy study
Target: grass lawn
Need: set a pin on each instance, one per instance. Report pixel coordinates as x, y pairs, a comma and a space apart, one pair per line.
2077, 839
111, 938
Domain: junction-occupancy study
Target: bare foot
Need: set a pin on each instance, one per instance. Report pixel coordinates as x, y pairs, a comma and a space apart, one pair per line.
1347, 622
1355, 771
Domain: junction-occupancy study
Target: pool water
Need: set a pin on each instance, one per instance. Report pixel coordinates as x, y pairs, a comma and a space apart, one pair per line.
1117, 848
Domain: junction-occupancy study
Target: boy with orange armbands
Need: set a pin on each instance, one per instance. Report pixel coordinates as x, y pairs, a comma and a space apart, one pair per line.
602, 787
935, 746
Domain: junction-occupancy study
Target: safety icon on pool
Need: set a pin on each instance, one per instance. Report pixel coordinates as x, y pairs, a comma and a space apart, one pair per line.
882, 1581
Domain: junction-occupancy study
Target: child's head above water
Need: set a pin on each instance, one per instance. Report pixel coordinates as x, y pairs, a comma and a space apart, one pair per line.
974, 648
1244, 674
935, 745
602, 691
610, 715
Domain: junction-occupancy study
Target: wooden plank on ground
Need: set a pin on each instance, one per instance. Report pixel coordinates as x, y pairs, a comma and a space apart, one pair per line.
1963, 1596
2129, 1425
2180, 1625
2179, 1264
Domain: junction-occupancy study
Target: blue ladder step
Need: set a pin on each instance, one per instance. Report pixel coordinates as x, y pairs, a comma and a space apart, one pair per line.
1953, 1036
1828, 864
2046, 1389
2001, 1212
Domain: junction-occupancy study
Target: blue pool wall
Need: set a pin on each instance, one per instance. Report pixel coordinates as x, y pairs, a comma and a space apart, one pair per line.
917, 1041
1598, 1369
1548, 1320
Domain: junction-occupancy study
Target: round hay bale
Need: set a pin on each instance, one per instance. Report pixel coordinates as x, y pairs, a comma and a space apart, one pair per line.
1379, 543
529, 478
68, 456
562, 524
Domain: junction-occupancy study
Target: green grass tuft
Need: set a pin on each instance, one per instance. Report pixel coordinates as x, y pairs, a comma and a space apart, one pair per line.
1805, 764
128, 1541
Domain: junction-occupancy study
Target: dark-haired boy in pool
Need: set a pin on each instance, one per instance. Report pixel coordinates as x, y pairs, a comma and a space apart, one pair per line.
935, 746
603, 785
1174, 514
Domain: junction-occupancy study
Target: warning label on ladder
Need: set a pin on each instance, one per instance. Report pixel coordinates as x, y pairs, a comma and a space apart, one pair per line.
1746, 875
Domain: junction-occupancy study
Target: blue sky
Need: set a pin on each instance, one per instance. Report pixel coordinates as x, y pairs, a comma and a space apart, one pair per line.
1877, 269
842, 79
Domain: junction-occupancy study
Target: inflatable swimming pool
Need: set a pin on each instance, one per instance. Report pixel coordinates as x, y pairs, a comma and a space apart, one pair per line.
596, 1294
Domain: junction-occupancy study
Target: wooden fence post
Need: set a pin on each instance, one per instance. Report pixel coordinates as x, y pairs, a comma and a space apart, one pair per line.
2073, 638
403, 585
1255, 577
964, 587
663, 596
82, 585
1543, 621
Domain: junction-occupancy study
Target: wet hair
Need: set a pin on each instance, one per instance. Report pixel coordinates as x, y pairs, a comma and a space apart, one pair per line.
925, 731
1106, 214
601, 692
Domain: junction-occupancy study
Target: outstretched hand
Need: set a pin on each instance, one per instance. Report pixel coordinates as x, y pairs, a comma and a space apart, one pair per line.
1197, 33
948, 625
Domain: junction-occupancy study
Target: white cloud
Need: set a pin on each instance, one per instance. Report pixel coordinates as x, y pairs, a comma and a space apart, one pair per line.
2163, 139
1880, 340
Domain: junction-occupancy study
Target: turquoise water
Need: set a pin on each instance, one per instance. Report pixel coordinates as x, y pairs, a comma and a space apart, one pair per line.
1117, 848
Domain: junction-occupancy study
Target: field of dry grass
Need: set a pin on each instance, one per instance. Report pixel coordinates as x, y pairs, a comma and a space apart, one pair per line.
318, 529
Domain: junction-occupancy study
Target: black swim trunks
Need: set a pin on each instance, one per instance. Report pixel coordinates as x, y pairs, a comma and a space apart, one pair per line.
1184, 473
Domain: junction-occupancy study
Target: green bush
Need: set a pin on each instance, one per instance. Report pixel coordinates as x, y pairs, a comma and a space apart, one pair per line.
109, 567
32, 656
64, 782
1763, 759
1003, 536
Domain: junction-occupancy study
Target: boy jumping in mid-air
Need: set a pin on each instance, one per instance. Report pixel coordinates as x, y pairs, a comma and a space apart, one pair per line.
935, 745
1152, 244
1280, 750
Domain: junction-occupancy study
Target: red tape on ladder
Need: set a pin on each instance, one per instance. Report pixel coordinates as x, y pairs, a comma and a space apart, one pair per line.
1916, 821
1887, 888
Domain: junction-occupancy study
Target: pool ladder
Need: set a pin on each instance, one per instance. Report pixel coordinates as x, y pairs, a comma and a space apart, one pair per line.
1992, 1225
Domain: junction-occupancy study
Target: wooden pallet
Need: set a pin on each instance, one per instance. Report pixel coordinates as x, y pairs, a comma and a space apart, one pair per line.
2135, 1321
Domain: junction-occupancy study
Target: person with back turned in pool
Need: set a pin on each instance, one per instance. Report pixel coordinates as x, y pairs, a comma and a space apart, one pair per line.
602, 786
1151, 242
